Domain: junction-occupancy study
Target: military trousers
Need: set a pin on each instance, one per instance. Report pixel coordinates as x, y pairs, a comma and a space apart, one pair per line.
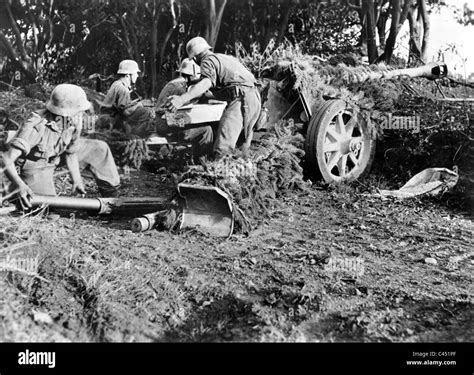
92, 154
238, 121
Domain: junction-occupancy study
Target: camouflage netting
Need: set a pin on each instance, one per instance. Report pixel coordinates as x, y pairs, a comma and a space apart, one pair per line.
256, 181
366, 87
128, 150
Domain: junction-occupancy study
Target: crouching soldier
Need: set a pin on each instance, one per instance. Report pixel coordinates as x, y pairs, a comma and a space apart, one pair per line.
128, 113
201, 138
50, 137
230, 81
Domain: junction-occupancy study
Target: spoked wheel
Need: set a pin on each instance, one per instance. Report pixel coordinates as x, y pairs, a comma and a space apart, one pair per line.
338, 144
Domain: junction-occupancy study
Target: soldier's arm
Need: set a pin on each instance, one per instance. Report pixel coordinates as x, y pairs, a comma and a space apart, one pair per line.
72, 162
175, 102
125, 104
27, 137
9, 158
73, 165
197, 90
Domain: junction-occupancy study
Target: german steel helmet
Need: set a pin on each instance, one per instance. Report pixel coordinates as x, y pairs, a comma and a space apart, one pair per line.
189, 67
68, 100
196, 46
128, 67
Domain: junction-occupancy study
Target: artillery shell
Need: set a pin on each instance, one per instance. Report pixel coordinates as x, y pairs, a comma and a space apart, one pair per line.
143, 223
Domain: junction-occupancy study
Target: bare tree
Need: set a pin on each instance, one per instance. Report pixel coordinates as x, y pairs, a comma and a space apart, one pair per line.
174, 24
126, 33
395, 25
419, 30
287, 7
26, 33
214, 9
154, 12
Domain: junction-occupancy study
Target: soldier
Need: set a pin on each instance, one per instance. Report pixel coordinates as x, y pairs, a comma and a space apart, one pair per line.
50, 137
130, 114
228, 80
190, 73
200, 137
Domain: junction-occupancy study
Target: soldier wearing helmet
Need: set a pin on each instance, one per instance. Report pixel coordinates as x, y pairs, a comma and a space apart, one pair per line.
51, 137
190, 73
201, 138
127, 113
228, 80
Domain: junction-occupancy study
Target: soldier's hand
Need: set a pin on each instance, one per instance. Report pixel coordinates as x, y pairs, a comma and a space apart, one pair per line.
78, 189
25, 194
174, 102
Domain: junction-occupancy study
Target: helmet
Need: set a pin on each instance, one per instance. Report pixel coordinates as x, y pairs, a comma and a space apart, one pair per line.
189, 67
128, 67
196, 46
68, 100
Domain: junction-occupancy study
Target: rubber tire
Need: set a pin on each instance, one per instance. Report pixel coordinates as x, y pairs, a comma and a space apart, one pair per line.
314, 157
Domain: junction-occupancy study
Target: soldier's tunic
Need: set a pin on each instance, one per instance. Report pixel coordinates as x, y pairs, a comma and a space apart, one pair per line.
44, 138
234, 83
200, 137
177, 86
118, 103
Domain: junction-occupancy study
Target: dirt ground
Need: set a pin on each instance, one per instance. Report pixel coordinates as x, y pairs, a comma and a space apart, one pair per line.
335, 264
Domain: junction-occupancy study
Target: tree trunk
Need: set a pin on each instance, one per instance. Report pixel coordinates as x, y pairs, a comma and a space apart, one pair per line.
214, 18
126, 41
415, 37
372, 53
27, 69
426, 28
394, 28
168, 35
154, 47
18, 54
284, 22
381, 25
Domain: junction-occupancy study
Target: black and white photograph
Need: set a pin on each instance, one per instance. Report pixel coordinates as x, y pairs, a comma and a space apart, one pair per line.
227, 174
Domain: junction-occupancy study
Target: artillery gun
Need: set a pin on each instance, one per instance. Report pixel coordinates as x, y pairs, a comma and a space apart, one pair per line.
339, 145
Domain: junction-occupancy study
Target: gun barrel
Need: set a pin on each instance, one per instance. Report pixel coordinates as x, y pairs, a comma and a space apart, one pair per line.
120, 205
432, 70
88, 204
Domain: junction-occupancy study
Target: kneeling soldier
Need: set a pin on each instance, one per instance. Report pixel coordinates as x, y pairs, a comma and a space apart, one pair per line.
50, 137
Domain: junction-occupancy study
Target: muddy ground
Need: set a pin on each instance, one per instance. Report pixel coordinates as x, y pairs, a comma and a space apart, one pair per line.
334, 264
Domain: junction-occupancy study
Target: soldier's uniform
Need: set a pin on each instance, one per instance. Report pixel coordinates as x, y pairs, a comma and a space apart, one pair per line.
44, 137
200, 137
118, 104
232, 82
177, 86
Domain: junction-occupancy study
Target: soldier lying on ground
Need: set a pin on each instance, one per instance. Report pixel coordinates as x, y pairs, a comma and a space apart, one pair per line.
51, 137
230, 81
